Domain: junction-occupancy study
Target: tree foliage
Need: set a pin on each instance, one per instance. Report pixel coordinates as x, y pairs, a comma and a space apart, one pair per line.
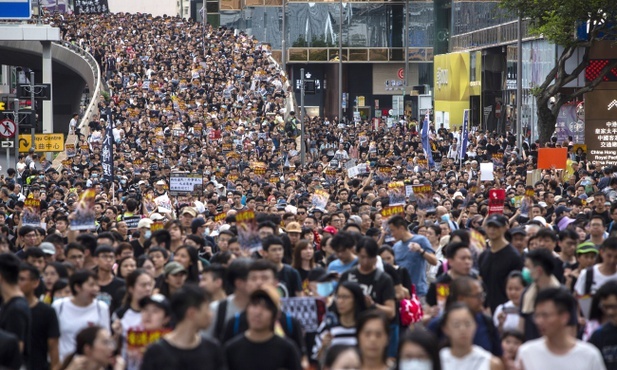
557, 21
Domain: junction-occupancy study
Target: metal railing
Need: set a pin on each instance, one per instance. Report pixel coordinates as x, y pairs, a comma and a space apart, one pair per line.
95, 91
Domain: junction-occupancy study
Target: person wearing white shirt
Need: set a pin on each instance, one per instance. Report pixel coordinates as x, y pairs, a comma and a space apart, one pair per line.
558, 348
80, 311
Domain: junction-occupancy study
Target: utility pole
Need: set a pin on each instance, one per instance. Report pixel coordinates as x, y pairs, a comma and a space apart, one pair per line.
519, 85
302, 143
33, 110
284, 40
340, 62
16, 138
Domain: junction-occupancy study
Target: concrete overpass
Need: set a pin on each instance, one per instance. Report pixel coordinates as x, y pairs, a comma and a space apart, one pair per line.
71, 67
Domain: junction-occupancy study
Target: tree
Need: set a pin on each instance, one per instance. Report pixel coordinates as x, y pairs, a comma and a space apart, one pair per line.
556, 21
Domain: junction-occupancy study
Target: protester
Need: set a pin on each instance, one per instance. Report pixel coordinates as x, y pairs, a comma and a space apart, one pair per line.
554, 310
184, 348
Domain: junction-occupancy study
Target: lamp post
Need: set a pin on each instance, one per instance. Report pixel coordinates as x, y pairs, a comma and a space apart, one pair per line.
519, 84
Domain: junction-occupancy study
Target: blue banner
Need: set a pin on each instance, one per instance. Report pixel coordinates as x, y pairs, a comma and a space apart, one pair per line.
465, 137
425, 141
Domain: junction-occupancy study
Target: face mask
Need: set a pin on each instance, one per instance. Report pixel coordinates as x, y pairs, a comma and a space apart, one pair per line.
415, 364
148, 234
207, 232
445, 218
526, 275
325, 289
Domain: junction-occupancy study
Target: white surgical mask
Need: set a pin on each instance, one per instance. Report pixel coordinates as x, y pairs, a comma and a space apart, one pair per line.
415, 364
147, 234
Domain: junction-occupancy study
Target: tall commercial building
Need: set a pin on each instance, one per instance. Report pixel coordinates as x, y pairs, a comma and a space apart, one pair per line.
372, 36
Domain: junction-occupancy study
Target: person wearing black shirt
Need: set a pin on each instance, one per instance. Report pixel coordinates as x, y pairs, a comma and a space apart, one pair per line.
112, 287
259, 344
459, 264
9, 351
605, 338
14, 313
45, 328
377, 285
497, 262
184, 348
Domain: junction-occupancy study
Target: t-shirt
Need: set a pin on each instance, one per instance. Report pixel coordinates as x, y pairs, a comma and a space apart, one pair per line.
112, 293
340, 334
44, 327
162, 355
494, 270
414, 262
9, 351
598, 280
535, 355
477, 359
15, 318
290, 281
273, 354
377, 284
340, 267
605, 339
74, 318
289, 327
230, 311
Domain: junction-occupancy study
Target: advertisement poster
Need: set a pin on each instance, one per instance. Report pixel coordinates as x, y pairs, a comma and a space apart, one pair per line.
496, 199
84, 217
424, 197
247, 231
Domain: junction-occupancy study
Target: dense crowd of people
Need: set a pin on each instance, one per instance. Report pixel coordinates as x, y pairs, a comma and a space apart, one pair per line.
266, 263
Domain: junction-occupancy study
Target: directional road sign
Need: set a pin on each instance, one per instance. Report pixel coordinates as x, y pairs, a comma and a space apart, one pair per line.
7, 128
15, 9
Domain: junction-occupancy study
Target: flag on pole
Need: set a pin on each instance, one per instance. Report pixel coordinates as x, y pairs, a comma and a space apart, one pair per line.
107, 155
425, 142
465, 137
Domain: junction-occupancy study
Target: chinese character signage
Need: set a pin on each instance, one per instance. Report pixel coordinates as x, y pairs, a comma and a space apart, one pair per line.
601, 126
183, 183
107, 154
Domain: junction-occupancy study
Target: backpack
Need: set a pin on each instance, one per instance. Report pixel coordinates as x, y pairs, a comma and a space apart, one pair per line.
219, 324
410, 309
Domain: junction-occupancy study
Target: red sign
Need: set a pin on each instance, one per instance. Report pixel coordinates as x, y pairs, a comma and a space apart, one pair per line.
401, 73
496, 199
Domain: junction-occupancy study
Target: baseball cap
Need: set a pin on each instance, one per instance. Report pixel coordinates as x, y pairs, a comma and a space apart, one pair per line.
293, 227
157, 217
518, 231
144, 222
190, 210
319, 274
197, 222
497, 219
158, 300
173, 268
586, 247
561, 209
48, 248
